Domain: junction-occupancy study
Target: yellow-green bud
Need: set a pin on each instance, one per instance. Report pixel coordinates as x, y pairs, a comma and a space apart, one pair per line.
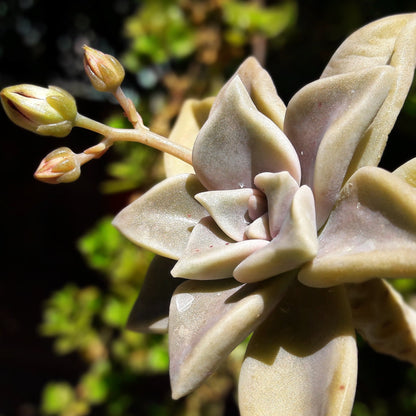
60, 166
104, 71
45, 111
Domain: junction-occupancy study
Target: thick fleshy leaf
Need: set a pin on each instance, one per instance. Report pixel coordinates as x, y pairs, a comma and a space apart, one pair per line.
326, 120
257, 205
229, 209
211, 254
371, 232
237, 142
151, 309
192, 116
261, 89
388, 41
207, 320
279, 189
259, 228
383, 318
162, 219
302, 360
295, 244
407, 171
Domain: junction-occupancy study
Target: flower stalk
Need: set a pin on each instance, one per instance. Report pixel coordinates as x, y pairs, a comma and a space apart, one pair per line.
139, 135
52, 111
129, 109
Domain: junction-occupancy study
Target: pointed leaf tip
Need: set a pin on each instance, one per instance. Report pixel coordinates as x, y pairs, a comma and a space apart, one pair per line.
371, 232
162, 219
326, 121
237, 142
387, 41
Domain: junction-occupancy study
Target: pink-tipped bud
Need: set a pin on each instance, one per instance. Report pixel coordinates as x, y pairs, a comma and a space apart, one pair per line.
60, 166
45, 111
104, 71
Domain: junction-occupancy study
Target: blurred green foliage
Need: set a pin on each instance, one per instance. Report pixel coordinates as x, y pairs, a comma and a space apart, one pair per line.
90, 321
159, 32
247, 19
165, 30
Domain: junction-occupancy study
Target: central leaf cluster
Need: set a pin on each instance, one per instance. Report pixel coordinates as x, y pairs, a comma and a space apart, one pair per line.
252, 233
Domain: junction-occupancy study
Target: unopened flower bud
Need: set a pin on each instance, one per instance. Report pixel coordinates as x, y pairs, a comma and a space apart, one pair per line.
60, 166
104, 71
45, 111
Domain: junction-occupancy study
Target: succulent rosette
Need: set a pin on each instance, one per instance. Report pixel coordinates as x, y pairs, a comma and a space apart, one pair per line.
285, 228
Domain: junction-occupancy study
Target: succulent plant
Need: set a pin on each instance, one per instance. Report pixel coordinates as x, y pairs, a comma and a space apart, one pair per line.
285, 228
275, 222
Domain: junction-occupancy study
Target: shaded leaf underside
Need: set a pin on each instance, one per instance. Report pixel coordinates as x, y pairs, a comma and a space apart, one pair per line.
208, 319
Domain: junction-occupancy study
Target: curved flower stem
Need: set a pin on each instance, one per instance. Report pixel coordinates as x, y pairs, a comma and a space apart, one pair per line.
129, 108
154, 140
139, 135
90, 124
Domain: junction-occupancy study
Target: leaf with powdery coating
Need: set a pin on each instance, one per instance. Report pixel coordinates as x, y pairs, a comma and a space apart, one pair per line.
211, 254
326, 120
295, 244
383, 318
237, 142
407, 171
259, 228
380, 313
162, 219
389, 41
279, 189
207, 320
192, 116
229, 209
303, 359
261, 89
371, 232
151, 309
